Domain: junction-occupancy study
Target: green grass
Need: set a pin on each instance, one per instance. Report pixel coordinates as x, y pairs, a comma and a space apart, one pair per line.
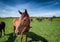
44, 31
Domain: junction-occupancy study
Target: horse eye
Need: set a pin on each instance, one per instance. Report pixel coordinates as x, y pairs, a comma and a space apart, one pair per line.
24, 20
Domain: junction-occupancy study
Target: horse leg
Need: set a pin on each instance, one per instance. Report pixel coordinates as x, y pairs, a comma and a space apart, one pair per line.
21, 37
4, 30
0, 33
26, 36
14, 31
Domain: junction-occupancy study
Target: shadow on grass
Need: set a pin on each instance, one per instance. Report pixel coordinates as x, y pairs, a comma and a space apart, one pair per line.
11, 37
36, 38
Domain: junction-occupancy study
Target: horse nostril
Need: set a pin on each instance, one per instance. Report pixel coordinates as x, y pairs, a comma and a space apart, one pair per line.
18, 33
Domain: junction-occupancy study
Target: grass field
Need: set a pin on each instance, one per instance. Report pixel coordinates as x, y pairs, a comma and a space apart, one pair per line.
44, 31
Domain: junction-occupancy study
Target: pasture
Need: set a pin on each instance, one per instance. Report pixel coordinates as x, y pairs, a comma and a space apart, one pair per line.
44, 31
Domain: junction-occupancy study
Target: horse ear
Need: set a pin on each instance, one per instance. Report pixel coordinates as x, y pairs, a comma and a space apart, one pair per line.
25, 11
19, 12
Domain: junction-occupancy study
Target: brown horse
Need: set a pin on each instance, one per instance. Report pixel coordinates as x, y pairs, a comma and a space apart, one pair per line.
22, 24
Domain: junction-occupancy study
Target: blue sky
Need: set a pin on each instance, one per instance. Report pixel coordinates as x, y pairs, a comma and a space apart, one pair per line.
46, 8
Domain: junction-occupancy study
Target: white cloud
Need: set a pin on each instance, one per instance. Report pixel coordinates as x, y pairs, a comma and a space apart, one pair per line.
12, 11
47, 13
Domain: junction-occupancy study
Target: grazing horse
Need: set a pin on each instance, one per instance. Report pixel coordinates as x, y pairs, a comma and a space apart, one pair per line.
31, 19
22, 25
2, 27
51, 19
39, 19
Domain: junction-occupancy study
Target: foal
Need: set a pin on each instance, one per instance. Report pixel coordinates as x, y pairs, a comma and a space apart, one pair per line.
22, 24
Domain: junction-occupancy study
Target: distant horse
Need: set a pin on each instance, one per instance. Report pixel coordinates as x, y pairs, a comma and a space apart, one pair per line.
31, 19
39, 18
22, 25
51, 19
2, 27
